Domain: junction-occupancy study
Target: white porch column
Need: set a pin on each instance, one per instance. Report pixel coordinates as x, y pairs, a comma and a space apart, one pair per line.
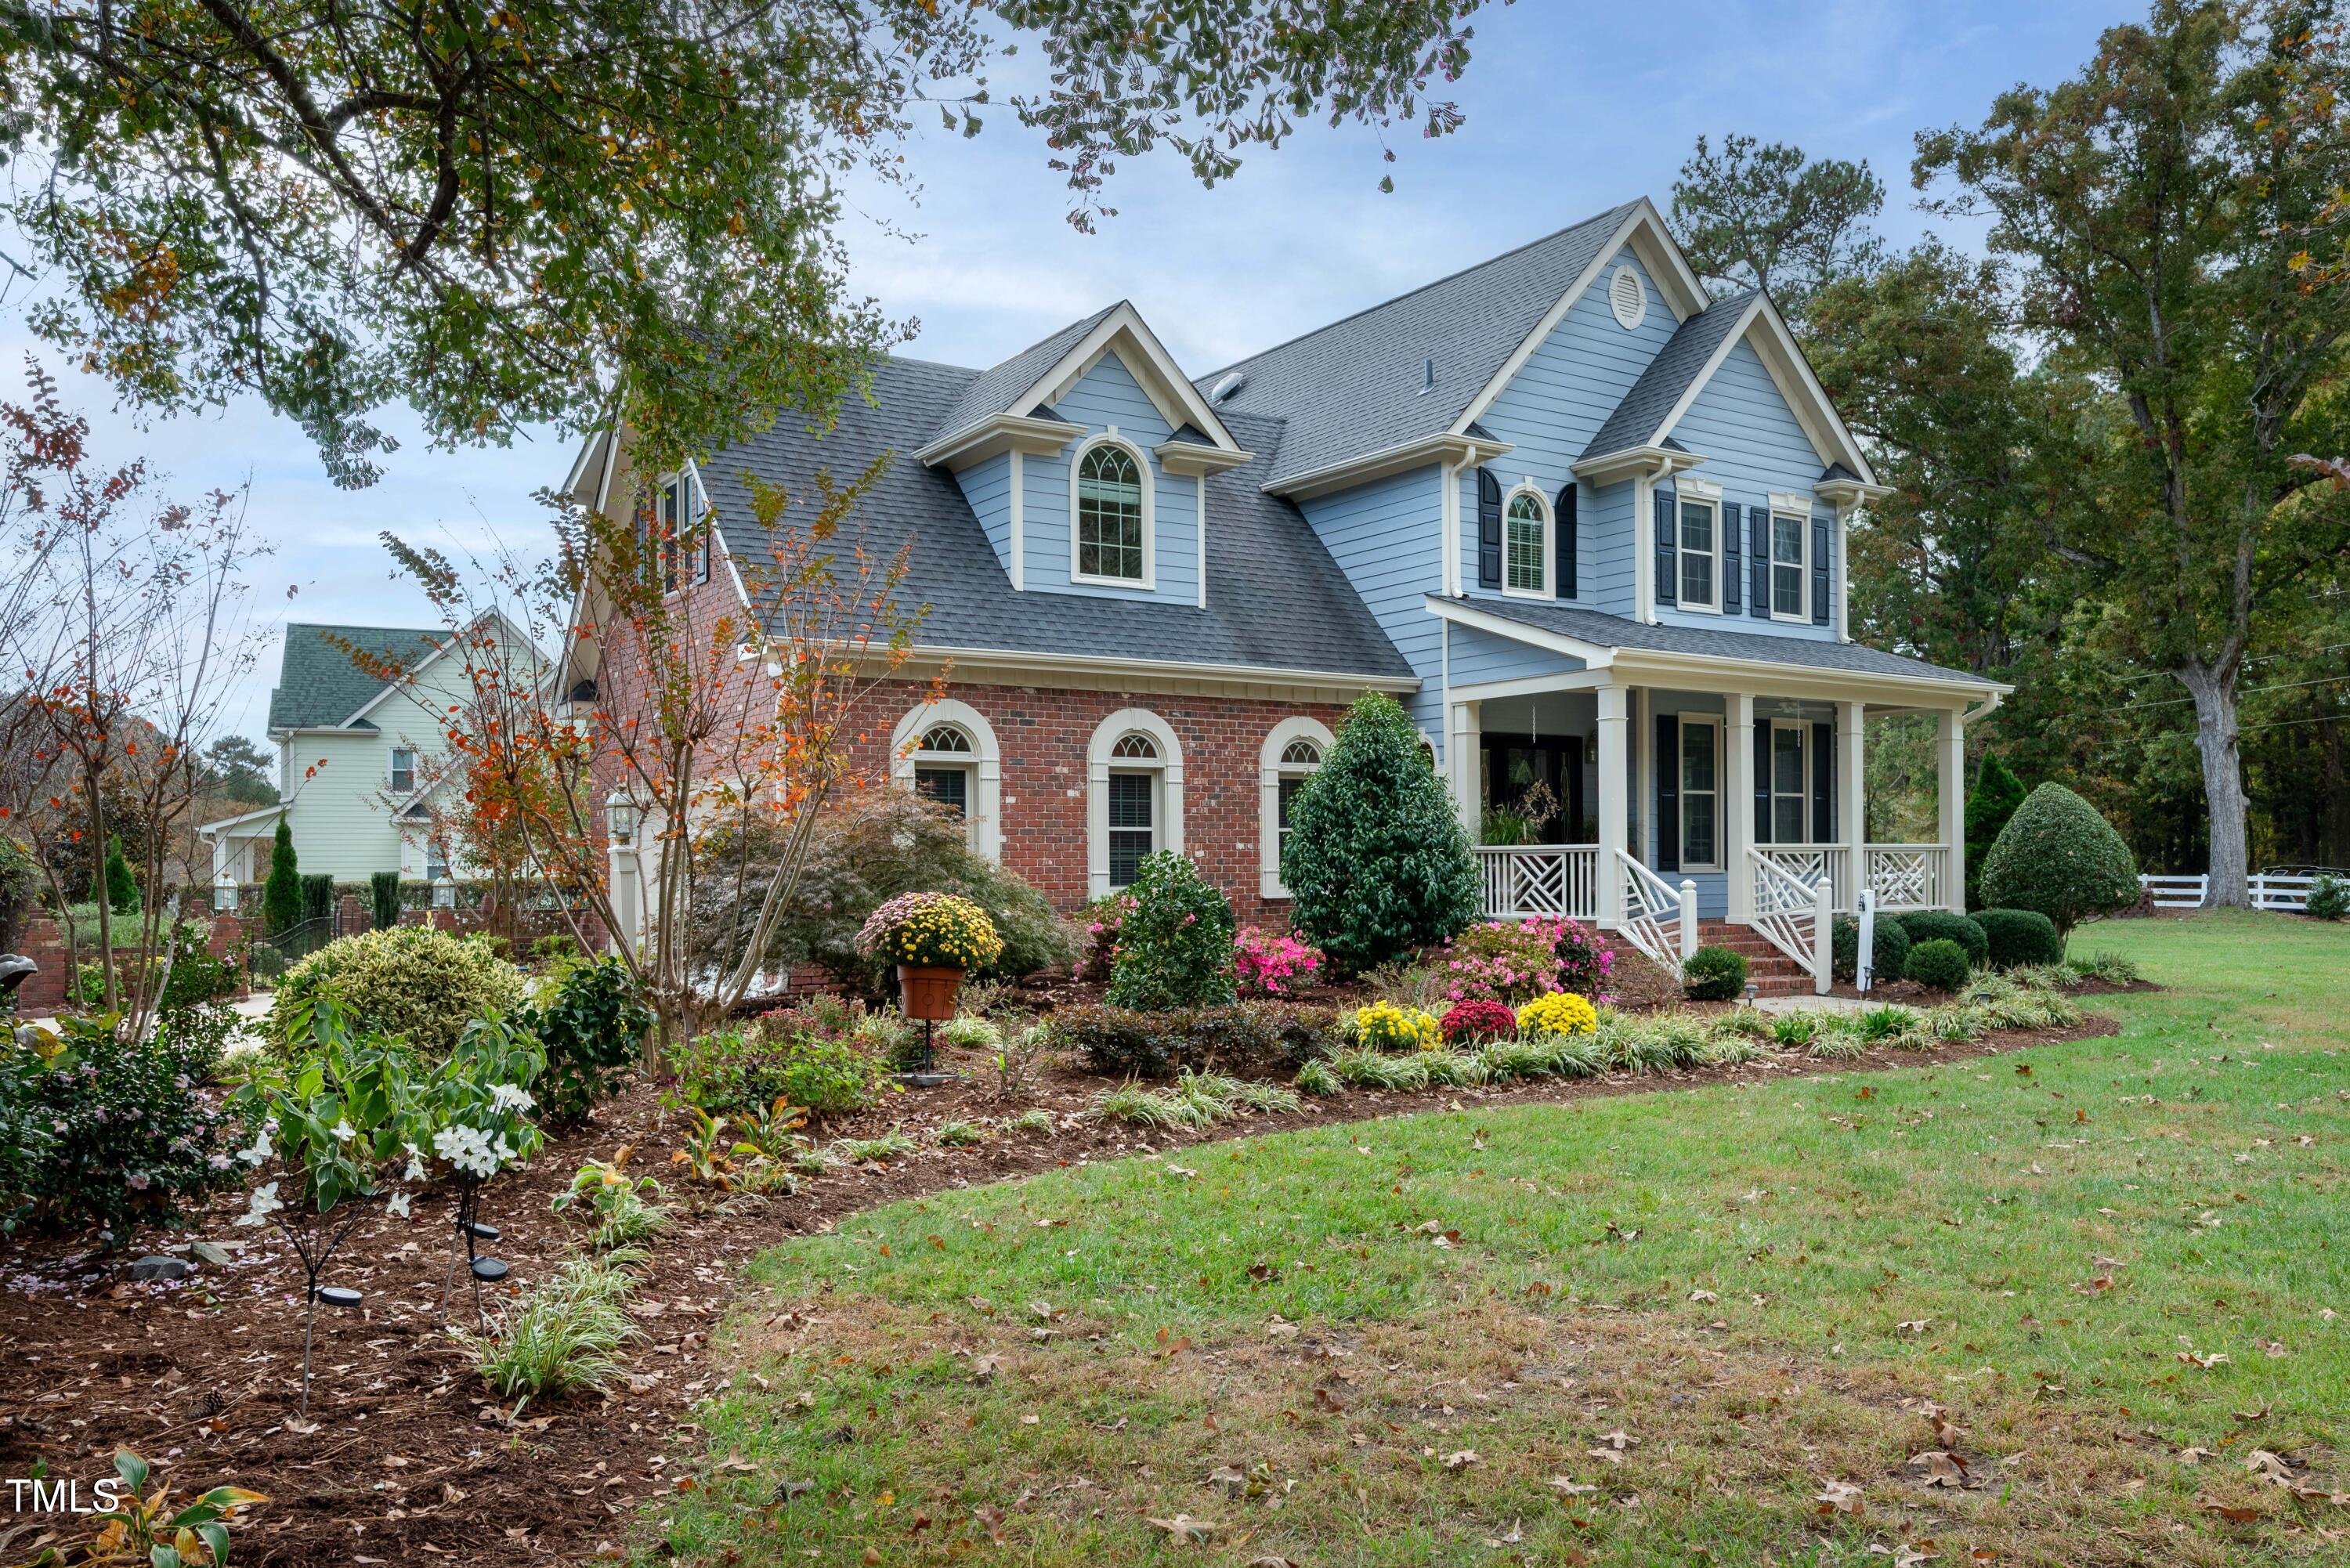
1463, 730
1615, 734
1737, 810
1852, 806
1950, 750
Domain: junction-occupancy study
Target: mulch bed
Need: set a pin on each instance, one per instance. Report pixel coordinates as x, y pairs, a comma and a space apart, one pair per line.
406, 1459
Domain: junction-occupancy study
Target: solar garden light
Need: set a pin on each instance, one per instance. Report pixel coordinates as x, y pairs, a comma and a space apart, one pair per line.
470, 1230
315, 1244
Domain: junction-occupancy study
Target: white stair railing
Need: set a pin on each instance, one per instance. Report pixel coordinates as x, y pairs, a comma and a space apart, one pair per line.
1659, 919
1797, 917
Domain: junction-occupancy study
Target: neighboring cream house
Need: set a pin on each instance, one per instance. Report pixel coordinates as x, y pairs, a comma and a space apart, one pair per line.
357, 755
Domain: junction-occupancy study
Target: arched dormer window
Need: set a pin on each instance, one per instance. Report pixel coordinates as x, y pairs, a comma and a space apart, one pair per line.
1525, 543
1293, 752
946, 751
1111, 513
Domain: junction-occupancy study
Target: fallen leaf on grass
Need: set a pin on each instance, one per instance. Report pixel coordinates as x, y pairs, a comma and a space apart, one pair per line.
1183, 1528
1703, 1296
1912, 1326
985, 1366
2233, 1515
1461, 1461
1566, 1488
2269, 1466
2189, 1357
2197, 1456
1942, 1469
1837, 1497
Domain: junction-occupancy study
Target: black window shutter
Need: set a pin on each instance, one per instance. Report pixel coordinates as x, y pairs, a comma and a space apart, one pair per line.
1819, 574
1732, 564
1757, 540
1761, 781
1665, 553
1824, 784
1489, 530
1668, 792
1565, 529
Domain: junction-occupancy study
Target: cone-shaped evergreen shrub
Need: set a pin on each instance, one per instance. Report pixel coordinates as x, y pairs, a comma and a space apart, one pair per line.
121, 886
1997, 793
2058, 856
281, 896
1376, 861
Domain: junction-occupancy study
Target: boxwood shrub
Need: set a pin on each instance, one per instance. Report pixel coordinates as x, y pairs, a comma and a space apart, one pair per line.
1891, 949
1939, 964
1942, 926
2057, 854
1248, 1036
2019, 936
1713, 974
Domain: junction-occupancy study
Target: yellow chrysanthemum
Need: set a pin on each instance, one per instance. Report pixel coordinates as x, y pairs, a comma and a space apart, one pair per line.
1560, 1013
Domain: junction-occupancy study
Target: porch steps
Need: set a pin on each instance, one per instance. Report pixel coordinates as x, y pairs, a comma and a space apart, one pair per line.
1771, 971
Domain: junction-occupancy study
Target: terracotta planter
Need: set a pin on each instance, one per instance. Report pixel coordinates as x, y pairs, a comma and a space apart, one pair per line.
929, 990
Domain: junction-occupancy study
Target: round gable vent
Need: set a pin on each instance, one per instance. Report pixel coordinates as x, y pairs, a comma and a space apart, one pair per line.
1627, 298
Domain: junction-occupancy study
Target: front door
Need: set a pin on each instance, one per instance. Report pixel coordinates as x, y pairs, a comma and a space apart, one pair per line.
1533, 788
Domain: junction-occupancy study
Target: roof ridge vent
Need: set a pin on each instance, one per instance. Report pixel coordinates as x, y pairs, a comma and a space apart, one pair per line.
1230, 383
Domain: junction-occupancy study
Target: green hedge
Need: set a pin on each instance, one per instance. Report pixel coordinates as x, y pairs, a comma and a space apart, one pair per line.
1248, 1036
1713, 974
1940, 965
2058, 856
1891, 949
2020, 936
1942, 926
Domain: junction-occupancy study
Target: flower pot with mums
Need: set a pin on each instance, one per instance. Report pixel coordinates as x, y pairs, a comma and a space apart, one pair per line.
933, 938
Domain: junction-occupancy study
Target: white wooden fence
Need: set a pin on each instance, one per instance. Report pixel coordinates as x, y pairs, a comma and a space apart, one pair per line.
2269, 892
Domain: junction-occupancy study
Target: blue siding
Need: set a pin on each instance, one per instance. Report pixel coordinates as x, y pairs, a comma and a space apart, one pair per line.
1481, 656
1387, 537
1109, 396
1552, 408
1753, 445
988, 487
1605, 524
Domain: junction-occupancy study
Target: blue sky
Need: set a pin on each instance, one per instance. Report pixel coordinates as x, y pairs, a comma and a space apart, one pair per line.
1571, 109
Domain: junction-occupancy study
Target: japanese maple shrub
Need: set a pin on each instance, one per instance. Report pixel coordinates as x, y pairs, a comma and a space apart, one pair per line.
1376, 862
1175, 949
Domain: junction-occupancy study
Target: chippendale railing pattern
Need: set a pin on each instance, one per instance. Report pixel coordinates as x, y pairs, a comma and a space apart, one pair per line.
1659, 919
1908, 876
1790, 913
1545, 879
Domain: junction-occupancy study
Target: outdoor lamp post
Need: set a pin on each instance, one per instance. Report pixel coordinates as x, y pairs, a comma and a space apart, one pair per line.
225, 893
620, 817
445, 892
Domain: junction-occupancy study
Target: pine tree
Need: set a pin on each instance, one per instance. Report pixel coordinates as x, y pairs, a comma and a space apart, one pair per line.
1993, 800
281, 897
1376, 862
121, 886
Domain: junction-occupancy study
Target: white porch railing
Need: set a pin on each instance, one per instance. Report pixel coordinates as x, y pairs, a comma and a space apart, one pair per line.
1906, 875
1551, 880
1806, 863
1659, 918
1794, 915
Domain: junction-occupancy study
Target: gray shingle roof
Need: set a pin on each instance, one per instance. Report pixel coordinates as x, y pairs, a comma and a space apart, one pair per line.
1355, 387
318, 684
1677, 365
991, 391
1275, 598
1615, 631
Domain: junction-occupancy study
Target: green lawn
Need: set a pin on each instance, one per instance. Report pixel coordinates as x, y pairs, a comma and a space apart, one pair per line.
1734, 1296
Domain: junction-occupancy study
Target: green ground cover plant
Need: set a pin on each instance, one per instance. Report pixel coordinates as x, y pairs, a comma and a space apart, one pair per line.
1805, 1316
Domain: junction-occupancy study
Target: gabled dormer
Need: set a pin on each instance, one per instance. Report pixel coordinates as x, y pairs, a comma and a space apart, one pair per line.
1086, 457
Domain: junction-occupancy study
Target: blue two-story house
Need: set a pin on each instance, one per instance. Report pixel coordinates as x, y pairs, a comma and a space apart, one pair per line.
1586, 522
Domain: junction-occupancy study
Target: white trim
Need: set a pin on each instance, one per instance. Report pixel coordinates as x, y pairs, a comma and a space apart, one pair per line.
1595, 656
1270, 772
1803, 616
1162, 380
1448, 515
588, 454
1251, 674
1549, 546
1201, 479
1149, 477
1783, 357
214, 828
1687, 493
1635, 461
1465, 451
1643, 229
1717, 722
407, 677
391, 769
985, 760
1019, 483
1730, 341
1187, 458
1000, 432
1167, 831
1644, 545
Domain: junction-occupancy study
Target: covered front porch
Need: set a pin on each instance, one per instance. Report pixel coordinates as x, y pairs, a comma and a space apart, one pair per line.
1649, 791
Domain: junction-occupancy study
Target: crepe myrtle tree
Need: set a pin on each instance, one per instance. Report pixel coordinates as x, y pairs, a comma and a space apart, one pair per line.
543, 211
711, 718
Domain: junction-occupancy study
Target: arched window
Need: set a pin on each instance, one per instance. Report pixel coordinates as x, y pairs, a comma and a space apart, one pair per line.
1111, 513
1293, 750
1526, 543
1134, 785
946, 751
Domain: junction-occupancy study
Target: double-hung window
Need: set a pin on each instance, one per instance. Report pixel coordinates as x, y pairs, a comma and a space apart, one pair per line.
678, 550
1133, 807
943, 764
403, 770
1700, 792
1700, 551
1789, 542
1112, 516
1526, 543
1791, 799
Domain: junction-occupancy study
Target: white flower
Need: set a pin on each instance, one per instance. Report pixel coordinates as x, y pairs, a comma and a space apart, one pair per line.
510, 1097
260, 1205
415, 1171
261, 1148
343, 1131
398, 1206
469, 1149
